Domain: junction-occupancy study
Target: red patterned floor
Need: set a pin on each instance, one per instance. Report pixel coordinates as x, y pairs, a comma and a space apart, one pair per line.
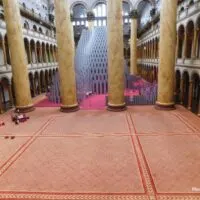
141, 153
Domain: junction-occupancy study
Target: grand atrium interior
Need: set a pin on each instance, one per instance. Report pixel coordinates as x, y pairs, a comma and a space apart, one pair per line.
100, 99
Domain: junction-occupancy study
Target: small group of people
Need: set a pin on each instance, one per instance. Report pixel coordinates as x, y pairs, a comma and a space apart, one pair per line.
18, 117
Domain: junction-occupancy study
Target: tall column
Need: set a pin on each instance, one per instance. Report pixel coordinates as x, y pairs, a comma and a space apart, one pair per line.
73, 38
177, 45
65, 57
90, 19
17, 49
116, 82
190, 95
194, 45
167, 53
134, 16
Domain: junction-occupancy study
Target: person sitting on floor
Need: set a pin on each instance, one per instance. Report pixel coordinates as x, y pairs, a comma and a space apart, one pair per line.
18, 117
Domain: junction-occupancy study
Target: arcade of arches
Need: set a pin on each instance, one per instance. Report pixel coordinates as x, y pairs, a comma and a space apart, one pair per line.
187, 89
37, 54
188, 47
148, 152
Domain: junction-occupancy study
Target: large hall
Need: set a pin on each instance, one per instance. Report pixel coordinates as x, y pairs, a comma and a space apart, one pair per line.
100, 99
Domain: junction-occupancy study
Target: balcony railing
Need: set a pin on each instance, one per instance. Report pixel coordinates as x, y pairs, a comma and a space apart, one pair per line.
36, 17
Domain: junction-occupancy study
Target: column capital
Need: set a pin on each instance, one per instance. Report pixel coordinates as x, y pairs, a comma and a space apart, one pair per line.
133, 14
90, 16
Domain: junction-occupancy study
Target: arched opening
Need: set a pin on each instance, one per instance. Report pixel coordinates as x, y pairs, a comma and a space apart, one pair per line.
55, 51
157, 48
100, 11
195, 93
50, 77
26, 25
178, 86
198, 37
126, 11
46, 80
38, 49
79, 14
51, 54
31, 81
47, 33
44, 53
37, 83
190, 38
33, 53
144, 9
40, 30
181, 33
2, 61
35, 28
186, 89
24, 5
5, 94
26, 44
155, 74
48, 52
42, 82
7, 50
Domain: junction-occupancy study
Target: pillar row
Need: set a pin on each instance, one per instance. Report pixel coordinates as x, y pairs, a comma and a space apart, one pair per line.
167, 53
116, 78
18, 61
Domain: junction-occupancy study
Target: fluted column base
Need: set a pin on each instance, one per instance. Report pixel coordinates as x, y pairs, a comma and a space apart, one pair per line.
116, 108
69, 109
163, 106
24, 109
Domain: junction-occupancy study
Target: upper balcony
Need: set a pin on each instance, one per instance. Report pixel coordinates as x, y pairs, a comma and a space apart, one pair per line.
26, 12
187, 9
33, 34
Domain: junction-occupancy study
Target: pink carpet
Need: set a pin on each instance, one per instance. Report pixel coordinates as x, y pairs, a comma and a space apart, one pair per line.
94, 102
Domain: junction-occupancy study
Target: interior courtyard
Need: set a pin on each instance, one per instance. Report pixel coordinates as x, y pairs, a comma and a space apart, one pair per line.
100, 99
